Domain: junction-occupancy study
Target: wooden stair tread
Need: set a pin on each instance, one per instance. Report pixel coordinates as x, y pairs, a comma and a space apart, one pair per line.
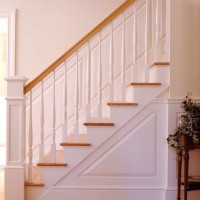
96, 122
34, 184
52, 164
75, 144
144, 84
122, 104
160, 64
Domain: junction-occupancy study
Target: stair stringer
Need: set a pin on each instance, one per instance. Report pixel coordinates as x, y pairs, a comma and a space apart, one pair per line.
109, 173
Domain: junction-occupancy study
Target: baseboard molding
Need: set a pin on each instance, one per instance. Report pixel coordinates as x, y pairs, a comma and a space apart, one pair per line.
171, 193
99, 194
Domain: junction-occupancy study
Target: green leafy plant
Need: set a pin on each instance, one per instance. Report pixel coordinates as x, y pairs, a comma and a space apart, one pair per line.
189, 124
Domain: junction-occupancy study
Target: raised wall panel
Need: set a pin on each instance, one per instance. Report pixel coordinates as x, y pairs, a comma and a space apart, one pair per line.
134, 155
14, 130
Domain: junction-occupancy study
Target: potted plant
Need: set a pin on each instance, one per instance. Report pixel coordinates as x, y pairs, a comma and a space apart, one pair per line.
189, 124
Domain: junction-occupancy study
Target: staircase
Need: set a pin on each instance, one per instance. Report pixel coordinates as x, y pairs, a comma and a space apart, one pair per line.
80, 164
93, 118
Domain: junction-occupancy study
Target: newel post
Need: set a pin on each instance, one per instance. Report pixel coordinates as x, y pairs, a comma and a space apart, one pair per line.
15, 139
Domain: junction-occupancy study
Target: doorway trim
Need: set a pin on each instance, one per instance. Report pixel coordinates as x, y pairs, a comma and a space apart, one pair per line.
11, 16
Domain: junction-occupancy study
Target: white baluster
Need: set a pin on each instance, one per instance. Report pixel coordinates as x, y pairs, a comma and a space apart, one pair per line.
99, 107
123, 87
76, 125
157, 38
53, 145
88, 89
65, 104
146, 70
30, 142
41, 147
111, 65
135, 43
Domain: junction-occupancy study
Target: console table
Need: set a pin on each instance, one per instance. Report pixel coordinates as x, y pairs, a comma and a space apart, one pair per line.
189, 183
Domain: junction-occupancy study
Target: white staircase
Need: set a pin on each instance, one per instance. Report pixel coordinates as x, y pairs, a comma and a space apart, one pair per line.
107, 163
118, 158
94, 125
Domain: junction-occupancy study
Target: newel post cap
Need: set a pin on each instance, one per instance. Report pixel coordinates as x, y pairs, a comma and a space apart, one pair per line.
15, 86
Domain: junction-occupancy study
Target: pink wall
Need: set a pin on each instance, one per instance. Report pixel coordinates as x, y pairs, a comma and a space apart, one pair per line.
46, 29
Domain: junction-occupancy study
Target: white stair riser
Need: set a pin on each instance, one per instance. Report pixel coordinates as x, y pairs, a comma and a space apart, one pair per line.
98, 134
73, 155
33, 193
116, 113
140, 94
51, 174
160, 74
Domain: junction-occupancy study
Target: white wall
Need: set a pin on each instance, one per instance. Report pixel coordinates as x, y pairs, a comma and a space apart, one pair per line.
185, 48
46, 29
2, 130
3, 65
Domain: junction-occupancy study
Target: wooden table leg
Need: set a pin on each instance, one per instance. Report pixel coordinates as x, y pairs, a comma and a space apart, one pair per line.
186, 164
179, 166
186, 167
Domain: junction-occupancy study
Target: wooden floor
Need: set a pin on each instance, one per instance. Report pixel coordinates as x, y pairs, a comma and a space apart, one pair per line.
1, 184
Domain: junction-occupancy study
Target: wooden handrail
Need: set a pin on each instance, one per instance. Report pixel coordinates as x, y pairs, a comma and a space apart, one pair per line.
79, 44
